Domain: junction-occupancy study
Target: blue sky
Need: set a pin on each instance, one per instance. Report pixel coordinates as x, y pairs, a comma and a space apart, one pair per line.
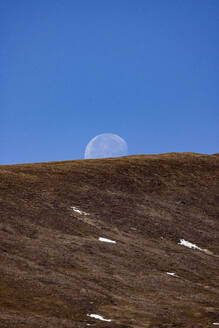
147, 70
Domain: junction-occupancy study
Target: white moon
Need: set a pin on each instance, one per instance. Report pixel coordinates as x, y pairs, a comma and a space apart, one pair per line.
106, 145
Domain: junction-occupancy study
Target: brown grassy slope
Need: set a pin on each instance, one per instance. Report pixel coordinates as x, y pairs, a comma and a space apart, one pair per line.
54, 270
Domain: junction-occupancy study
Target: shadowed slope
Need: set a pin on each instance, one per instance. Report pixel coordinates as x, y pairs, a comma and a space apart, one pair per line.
54, 271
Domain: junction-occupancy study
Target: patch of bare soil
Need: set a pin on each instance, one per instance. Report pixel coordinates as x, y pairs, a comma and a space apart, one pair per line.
161, 211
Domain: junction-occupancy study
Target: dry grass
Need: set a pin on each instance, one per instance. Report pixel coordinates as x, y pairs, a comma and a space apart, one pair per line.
54, 271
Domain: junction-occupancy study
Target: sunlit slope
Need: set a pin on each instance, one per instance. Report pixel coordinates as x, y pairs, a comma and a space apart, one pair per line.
56, 269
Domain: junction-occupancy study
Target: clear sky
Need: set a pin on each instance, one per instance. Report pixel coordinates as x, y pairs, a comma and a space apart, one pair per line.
147, 70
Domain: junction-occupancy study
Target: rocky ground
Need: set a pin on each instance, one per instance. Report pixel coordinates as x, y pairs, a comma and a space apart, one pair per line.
123, 242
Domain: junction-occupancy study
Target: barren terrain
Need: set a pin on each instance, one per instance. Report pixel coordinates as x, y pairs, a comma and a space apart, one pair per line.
161, 268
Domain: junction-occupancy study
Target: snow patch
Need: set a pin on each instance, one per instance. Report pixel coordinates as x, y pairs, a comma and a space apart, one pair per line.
106, 240
75, 209
171, 273
97, 316
185, 243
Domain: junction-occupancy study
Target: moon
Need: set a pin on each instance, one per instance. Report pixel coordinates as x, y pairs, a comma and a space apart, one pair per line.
106, 145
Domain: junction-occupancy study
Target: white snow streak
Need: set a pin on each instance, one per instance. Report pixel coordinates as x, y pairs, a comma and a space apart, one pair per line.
78, 211
97, 316
171, 273
185, 243
106, 240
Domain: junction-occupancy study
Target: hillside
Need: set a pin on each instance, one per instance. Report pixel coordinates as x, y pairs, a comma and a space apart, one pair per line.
56, 272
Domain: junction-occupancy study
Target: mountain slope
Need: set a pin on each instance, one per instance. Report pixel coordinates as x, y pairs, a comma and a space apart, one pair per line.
54, 270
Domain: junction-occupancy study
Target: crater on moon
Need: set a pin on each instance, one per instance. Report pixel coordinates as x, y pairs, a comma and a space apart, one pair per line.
106, 145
